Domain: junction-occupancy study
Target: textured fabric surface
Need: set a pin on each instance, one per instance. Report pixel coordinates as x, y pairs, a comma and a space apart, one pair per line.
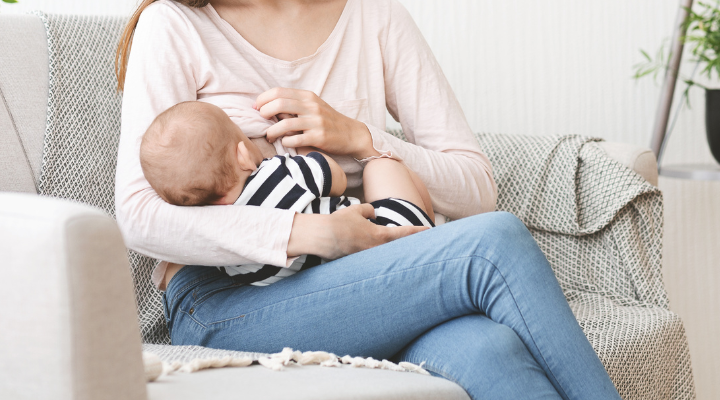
640, 159
168, 353
82, 133
72, 324
23, 100
600, 226
598, 222
601, 229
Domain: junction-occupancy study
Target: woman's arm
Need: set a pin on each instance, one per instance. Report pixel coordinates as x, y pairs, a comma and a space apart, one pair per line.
443, 150
165, 69
341, 233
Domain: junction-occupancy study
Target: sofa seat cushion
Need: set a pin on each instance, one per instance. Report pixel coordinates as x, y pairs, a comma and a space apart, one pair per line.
302, 382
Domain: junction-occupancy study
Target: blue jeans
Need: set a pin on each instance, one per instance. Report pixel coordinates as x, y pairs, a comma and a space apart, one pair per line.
475, 299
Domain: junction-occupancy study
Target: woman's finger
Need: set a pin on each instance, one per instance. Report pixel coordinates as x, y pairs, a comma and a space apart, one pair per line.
296, 139
283, 116
285, 127
282, 106
366, 210
397, 232
281, 93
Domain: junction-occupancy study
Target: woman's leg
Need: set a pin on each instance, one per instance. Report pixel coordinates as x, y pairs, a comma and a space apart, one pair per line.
375, 302
486, 358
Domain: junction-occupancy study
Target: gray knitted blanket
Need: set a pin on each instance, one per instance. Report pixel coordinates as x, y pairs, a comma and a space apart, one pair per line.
599, 223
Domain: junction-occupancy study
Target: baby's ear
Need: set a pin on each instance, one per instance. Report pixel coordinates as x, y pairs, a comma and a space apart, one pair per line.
244, 159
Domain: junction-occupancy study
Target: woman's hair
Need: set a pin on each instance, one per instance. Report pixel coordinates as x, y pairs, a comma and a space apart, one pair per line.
123, 50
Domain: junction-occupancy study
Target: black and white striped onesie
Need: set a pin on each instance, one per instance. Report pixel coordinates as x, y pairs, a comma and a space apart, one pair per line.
302, 184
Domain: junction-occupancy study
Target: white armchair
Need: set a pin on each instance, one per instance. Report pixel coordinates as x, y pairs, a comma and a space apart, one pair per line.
70, 319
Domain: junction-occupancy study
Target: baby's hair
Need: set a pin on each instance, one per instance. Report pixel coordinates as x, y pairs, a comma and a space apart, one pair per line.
187, 154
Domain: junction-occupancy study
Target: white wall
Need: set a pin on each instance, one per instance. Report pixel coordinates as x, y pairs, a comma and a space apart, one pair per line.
560, 67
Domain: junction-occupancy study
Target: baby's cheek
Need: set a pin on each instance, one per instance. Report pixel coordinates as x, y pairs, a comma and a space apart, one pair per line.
266, 148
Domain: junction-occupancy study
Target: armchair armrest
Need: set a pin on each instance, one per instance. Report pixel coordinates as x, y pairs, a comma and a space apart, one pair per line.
70, 322
639, 159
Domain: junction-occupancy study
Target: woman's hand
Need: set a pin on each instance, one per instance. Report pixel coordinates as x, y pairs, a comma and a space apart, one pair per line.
316, 125
342, 233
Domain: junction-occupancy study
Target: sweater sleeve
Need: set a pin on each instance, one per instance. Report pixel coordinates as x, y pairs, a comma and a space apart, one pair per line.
163, 70
442, 149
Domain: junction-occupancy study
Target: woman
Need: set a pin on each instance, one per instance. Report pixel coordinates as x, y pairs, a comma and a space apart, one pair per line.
475, 299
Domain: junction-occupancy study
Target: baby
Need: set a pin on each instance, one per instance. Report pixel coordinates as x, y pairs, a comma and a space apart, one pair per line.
194, 155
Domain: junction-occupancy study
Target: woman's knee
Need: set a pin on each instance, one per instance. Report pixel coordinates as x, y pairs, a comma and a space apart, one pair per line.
496, 222
501, 239
505, 224
497, 229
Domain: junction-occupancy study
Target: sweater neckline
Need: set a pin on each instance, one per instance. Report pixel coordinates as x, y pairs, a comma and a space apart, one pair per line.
342, 21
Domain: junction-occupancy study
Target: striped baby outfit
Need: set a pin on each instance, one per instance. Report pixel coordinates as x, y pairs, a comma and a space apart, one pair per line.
302, 184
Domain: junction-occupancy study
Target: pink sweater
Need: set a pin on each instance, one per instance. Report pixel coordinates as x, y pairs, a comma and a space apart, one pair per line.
375, 57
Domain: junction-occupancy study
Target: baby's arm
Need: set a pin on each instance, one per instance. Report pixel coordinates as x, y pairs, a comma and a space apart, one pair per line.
339, 179
385, 177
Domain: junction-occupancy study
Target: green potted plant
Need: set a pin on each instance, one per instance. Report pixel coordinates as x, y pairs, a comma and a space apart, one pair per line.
703, 33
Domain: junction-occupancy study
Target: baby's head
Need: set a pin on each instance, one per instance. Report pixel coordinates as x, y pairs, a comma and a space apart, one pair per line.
193, 154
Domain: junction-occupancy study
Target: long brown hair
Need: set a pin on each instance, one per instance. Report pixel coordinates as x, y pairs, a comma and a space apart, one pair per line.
123, 50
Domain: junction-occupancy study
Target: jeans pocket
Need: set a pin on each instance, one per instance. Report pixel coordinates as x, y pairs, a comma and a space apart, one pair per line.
194, 308
201, 296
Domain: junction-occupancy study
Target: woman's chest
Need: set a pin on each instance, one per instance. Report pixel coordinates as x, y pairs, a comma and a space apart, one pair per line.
289, 31
347, 72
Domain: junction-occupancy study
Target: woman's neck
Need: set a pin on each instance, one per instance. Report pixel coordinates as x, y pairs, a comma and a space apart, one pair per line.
284, 29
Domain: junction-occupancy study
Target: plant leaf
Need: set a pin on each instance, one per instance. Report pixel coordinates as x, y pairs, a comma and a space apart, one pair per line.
647, 56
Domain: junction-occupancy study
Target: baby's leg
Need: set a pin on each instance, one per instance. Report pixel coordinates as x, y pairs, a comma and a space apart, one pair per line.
385, 177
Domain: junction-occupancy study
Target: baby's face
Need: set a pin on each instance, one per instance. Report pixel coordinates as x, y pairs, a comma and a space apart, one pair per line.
244, 162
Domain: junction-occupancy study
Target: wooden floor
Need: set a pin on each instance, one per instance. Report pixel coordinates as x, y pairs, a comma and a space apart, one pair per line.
691, 270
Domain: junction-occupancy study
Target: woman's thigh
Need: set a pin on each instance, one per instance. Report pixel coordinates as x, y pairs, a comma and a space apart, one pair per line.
375, 302
371, 303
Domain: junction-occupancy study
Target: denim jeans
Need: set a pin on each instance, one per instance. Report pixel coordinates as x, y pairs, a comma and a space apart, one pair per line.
475, 299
